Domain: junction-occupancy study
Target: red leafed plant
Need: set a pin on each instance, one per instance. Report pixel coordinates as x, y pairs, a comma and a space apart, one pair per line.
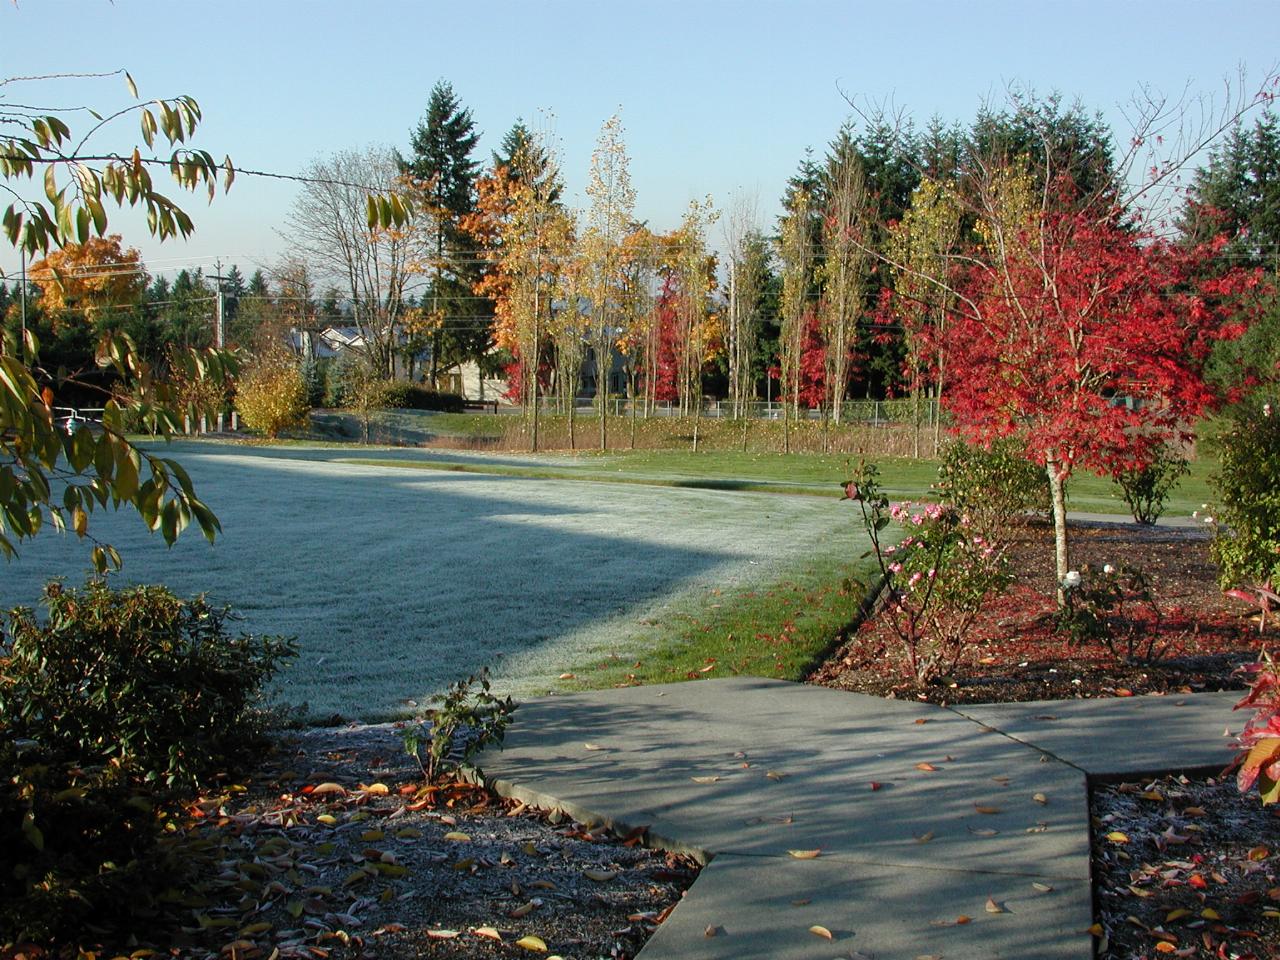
1259, 757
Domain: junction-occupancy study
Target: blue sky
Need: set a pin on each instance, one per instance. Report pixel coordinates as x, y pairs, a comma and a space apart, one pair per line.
717, 97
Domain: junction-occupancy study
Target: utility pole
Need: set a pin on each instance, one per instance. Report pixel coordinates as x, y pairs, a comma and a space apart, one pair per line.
219, 326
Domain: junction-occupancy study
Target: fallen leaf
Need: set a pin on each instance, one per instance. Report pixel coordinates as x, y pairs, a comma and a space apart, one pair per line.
875, 785
488, 932
328, 788
1001, 779
533, 943
774, 775
458, 837
981, 808
1259, 853
705, 779
593, 746
1042, 887
820, 931
1040, 798
963, 919
1178, 914
1193, 812
442, 934
921, 720
567, 676
600, 876
801, 903
1115, 836
711, 930
1210, 914
992, 906
805, 854
523, 910
983, 831
375, 789
927, 767
1096, 930
708, 667
328, 819
925, 837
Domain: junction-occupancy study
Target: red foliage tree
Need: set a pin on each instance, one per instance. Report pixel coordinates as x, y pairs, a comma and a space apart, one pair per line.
1087, 340
666, 376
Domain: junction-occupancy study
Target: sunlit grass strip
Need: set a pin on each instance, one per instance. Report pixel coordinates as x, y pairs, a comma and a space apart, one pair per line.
780, 629
795, 474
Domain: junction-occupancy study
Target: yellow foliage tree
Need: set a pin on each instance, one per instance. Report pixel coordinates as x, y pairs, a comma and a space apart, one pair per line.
272, 395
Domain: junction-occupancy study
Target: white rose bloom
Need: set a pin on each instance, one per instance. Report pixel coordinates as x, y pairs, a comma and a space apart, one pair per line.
1071, 580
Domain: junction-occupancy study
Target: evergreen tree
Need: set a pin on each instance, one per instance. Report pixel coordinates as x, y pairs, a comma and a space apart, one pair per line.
1054, 139
524, 155
442, 144
1238, 193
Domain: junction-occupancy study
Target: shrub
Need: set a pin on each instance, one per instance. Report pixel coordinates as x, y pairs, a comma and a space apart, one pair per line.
272, 395
468, 719
994, 487
404, 395
1145, 489
116, 706
936, 577
1259, 757
1113, 607
1246, 545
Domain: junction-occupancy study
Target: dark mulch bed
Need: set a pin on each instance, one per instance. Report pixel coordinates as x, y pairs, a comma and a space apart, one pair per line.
1184, 867
1019, 654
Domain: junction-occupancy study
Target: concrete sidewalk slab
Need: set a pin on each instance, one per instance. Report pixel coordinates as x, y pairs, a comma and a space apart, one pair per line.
763, 767
764, 907
918, 813
1123, 735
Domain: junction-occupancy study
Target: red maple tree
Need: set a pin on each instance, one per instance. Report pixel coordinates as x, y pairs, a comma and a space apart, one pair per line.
1087, 340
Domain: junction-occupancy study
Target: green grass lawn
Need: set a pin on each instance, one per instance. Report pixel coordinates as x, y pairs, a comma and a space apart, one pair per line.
797, 473
780, 629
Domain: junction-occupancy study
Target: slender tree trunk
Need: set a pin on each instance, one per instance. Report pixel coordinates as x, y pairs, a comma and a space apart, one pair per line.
533, 387
1058, 491
786, 428
915, 421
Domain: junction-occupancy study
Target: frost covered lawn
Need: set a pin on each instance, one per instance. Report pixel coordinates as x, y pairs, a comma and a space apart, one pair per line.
398, 581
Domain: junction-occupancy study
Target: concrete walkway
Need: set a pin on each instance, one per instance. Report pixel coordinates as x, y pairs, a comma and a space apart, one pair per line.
921, 815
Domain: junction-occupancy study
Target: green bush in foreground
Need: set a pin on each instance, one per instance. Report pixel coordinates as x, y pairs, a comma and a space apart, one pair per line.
1246, 544
111, 710
992, 486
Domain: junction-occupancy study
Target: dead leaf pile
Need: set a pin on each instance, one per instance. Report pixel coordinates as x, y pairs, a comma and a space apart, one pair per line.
1186, 868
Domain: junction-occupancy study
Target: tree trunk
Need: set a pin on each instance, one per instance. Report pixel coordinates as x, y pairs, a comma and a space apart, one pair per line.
915, 421
1058, 491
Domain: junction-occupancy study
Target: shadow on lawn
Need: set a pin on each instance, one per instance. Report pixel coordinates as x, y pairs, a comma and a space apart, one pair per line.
399, 583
